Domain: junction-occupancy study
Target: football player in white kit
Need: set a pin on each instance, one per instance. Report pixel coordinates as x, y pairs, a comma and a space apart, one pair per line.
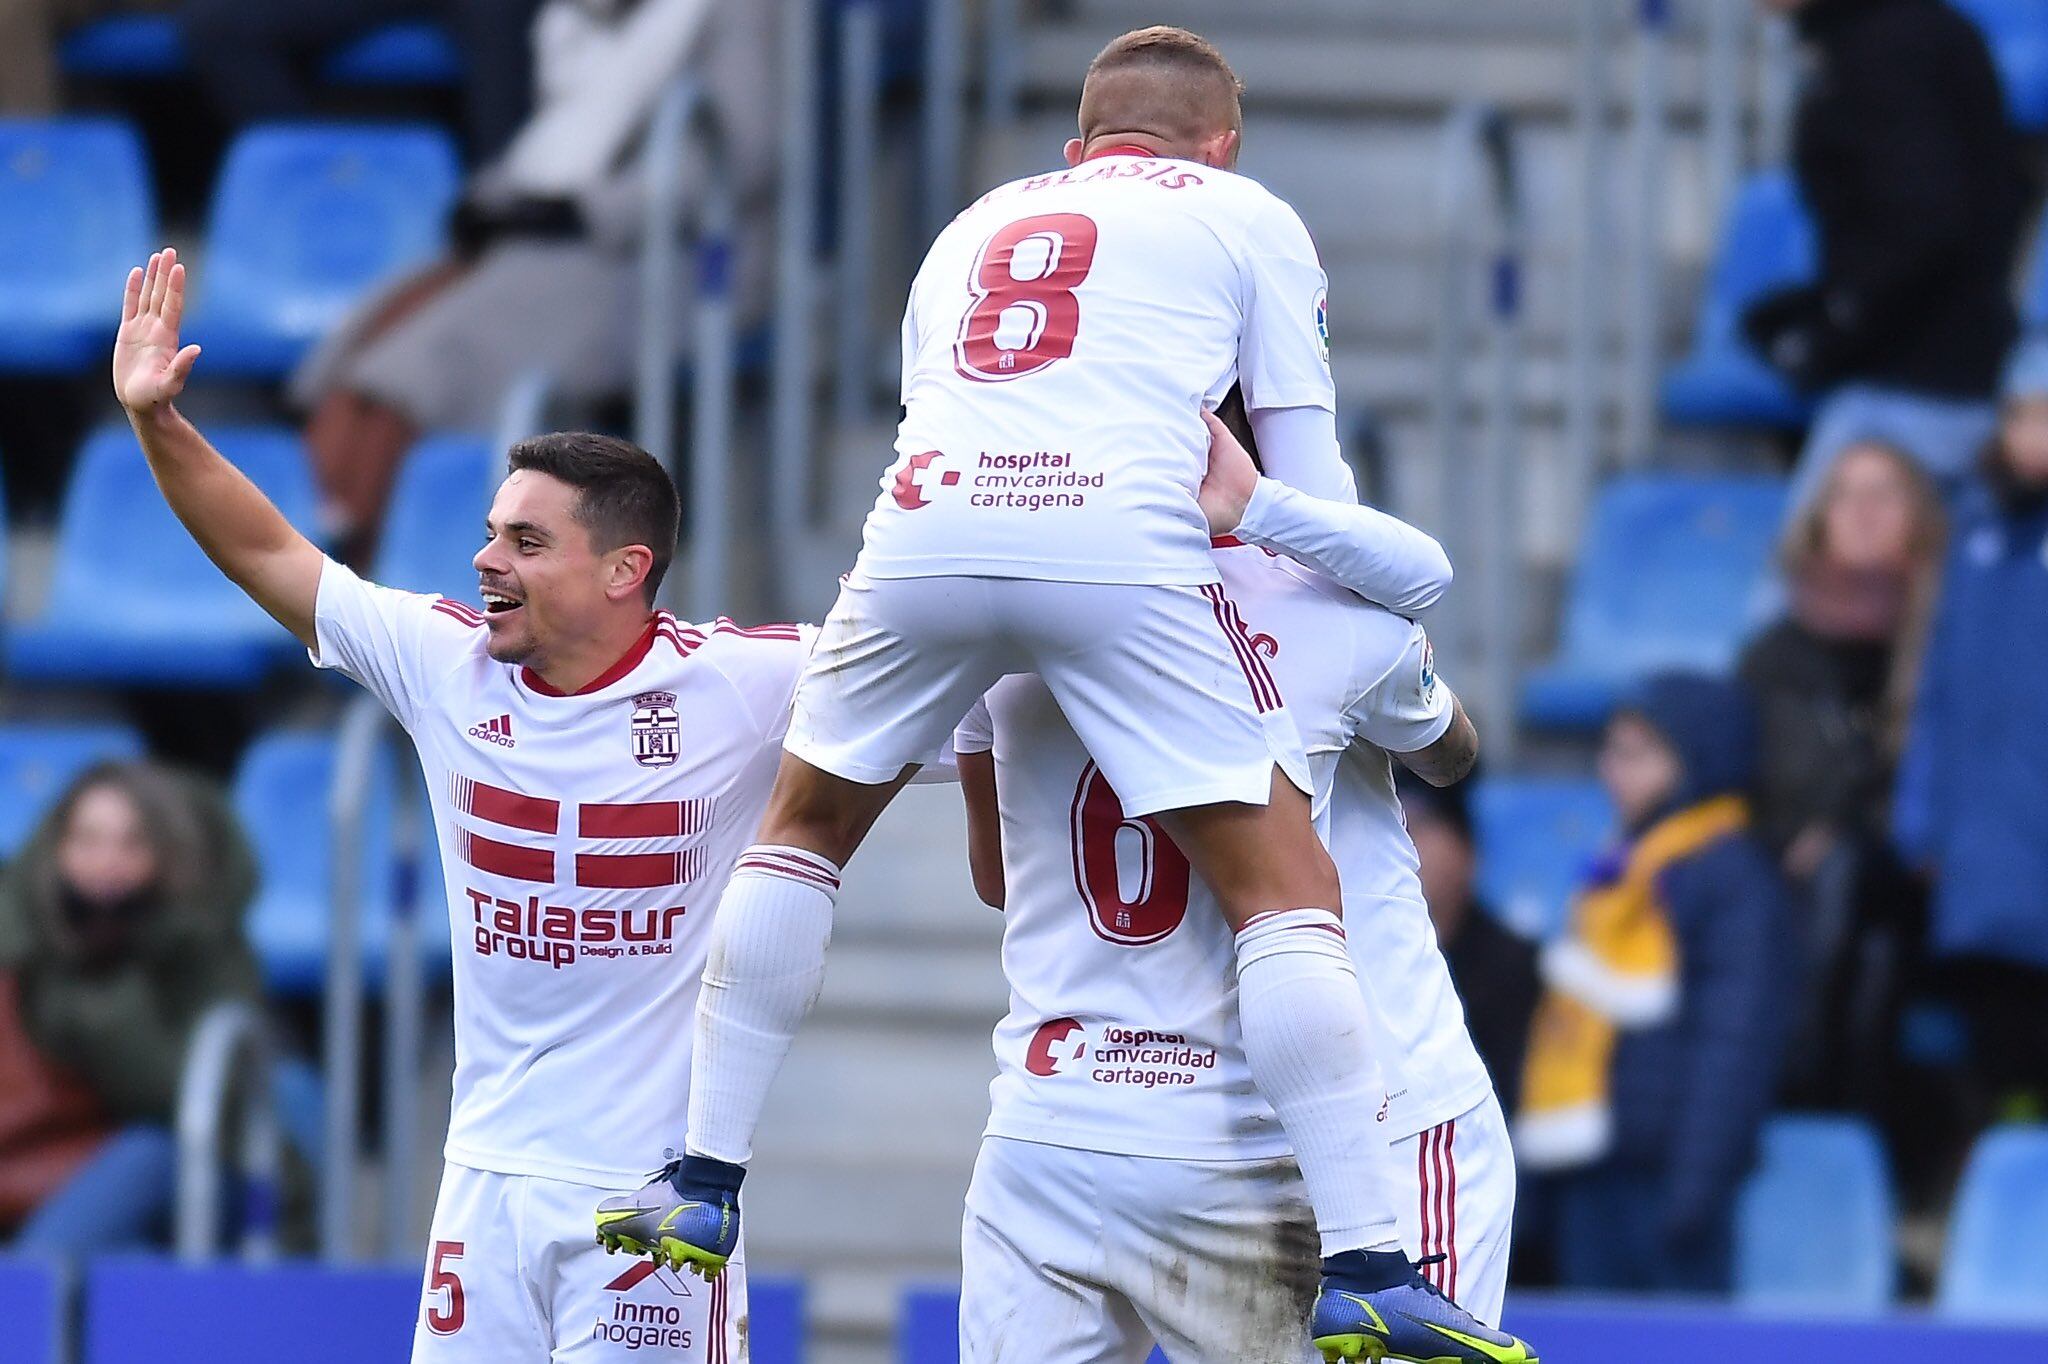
595, 769
1132, 1186
1061, 339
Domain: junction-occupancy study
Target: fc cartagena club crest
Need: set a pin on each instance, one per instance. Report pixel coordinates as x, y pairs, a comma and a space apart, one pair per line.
657, 729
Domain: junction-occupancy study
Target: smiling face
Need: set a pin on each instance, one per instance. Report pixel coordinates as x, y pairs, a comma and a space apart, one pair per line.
543, 581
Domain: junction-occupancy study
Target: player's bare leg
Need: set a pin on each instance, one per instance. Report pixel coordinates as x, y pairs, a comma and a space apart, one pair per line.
765, 969
1308, 1037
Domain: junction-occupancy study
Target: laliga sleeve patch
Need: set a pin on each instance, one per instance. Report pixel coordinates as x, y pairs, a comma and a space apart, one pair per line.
1323, 323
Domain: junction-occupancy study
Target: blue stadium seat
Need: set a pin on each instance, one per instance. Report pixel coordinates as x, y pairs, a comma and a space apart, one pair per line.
125, 47
75, 214
1766, 242
1670, 574
1536, 837
436, 521
1813, 1229
281, 794
1997, 1266
151, 47
38, 761
419, 52
132, 599
305, 220
30, 1302
2017, 33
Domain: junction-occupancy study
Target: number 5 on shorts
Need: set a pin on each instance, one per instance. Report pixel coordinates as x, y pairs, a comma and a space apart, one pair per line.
445, 1317
1025, 316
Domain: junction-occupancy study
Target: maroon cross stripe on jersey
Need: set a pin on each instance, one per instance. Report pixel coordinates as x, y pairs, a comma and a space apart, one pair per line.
610, 871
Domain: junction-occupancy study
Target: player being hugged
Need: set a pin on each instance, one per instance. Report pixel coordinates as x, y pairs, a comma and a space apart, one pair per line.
1062, 337
1124, 1131
595, 768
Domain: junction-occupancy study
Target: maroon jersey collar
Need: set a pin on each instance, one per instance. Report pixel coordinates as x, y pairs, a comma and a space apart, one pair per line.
628, 661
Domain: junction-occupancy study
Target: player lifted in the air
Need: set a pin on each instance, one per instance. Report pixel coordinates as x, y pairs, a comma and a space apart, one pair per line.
1061, 340
595, 768
1124, 1131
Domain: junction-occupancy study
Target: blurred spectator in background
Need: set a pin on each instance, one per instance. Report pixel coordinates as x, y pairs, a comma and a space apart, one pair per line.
545, 275
1905, 156
1655, 1051
120, 925
1861, 560
1493, 968
1972, 805
258, 59
29, 33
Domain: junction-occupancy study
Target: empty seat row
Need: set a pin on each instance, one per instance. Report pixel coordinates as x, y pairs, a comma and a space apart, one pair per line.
152, 46
1815, 1226
134, 601
304, 219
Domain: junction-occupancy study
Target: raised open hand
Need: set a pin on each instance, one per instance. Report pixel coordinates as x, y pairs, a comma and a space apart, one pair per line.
149, 367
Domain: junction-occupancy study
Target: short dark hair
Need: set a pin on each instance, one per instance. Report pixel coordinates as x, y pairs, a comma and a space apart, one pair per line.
624, 496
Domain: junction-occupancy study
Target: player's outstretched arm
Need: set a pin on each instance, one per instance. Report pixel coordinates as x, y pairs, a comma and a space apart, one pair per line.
1380, 557
227, 514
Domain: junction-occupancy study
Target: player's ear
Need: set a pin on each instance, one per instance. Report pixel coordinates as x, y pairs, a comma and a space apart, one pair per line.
628, 569
1075, 146
1221, 150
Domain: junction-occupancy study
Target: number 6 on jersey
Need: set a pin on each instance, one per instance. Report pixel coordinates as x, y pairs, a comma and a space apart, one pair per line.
1025, 315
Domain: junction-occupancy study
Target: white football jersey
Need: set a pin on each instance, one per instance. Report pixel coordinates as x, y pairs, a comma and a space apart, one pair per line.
1061, 339
585, 840
1122, 1034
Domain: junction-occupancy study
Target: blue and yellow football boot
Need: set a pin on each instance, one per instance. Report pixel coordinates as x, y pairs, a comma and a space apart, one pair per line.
1411, 1320
687, 1216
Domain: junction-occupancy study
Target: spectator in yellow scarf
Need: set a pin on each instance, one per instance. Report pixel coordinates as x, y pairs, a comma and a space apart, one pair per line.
1656, 1049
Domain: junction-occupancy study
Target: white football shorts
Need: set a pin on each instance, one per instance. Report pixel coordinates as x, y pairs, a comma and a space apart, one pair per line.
1077, 1257
515, 1276
1462, 1206
1163, 683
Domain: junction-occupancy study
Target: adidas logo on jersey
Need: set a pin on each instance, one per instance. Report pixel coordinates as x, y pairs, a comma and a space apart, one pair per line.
494, 731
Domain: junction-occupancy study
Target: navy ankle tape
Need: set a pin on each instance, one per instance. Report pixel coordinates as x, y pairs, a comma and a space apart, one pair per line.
1367, 1271
696, 1174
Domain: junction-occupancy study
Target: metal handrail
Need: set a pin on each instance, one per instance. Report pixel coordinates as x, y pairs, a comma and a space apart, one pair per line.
941, 113
714, 366
711, 403
1483, 224
342, 1011
1644, 318
1001, 75
661, 170
231, 1044
1586, 344
365, 728
404, 1002
860, 70
790, 469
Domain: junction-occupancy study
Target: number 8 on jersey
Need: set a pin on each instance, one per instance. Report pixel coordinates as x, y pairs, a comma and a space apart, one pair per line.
1025, 315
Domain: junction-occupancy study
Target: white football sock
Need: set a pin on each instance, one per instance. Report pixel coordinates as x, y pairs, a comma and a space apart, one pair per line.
1309, 1040
766, 967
